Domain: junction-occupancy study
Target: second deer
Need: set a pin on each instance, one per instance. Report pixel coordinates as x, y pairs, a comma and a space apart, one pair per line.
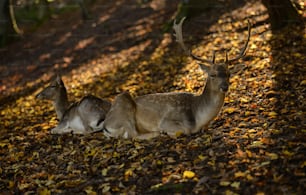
85, 116
147, 116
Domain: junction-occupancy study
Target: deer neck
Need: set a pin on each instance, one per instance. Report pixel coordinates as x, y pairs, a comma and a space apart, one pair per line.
211, 94
208, 104
61, 103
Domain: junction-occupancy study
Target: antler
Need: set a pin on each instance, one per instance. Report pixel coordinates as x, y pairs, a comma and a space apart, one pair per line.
242, 52
179, 38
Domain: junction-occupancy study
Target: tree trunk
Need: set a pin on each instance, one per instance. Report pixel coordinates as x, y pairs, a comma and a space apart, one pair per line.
8, 24
281, 13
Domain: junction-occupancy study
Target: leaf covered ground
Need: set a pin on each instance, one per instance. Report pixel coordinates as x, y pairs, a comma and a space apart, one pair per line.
256, 145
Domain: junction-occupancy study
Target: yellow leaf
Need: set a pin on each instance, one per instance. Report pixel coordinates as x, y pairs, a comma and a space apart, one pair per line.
272, 114
272, 156
11, 184
229, 110
249, 153
260, 193
247, 113
265, 163
235, 184
297, 55
2, 144
201, 157
256, 144
178, 133
188, 174
303, 82
159, 162
170, 160
229, 192
89, 191
287, 153
44, 191
106, 188
244, 100
225, 183
27, 104
249, 177
116, 154
104, 172
276, 131
253, 46
240, 174
128, 173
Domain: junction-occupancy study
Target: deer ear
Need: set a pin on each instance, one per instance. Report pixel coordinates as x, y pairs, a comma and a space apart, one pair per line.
59, 79
205, 67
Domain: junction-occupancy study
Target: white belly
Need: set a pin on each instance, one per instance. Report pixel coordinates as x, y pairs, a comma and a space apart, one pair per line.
77, 125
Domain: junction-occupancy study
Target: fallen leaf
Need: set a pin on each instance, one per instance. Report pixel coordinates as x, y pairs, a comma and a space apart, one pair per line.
188, 174
229, 110
225, 183
235, 184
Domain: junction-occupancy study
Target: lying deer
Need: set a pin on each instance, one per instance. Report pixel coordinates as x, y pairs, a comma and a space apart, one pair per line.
85, 116
149, 115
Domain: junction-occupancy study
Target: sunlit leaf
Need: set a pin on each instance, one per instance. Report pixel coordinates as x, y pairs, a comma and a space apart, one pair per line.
240, 174
235, 184
89, 191
188, 174
229, 110
104, 172
272, 114
303, 82
44, 191
225, 183
256, 144
128, 173
273, 156
288, 153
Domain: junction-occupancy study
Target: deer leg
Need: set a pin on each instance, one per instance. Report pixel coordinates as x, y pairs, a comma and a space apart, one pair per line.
62, 127
174, 126
147, 135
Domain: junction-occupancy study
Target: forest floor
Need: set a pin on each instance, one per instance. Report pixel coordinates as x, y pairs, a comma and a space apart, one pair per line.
256, 145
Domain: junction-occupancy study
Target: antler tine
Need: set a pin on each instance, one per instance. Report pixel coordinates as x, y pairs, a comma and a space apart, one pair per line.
179, 38
242, 52
179, 35
213, 57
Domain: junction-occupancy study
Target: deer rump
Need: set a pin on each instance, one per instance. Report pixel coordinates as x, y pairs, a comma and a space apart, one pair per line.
85, 116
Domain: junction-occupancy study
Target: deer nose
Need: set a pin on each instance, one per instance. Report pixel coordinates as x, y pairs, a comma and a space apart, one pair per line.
224, 87
38, 96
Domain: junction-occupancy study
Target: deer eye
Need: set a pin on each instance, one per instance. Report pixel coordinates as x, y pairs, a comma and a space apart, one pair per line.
213, 75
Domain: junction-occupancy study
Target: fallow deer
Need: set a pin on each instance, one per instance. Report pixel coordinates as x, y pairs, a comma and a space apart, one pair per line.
85, 116
147, 116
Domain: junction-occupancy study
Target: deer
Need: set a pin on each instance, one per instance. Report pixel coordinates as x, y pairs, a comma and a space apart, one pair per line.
82, 117
148, 116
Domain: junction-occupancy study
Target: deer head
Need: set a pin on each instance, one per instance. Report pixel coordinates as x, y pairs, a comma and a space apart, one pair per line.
217, 72
57, 93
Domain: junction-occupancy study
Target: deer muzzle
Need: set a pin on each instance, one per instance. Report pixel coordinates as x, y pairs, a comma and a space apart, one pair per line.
224, 87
